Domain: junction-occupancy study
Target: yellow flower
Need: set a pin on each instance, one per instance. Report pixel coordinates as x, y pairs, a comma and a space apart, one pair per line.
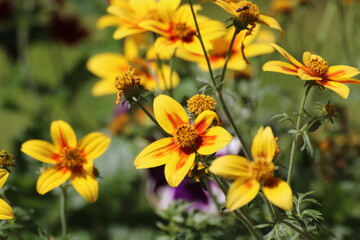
315, 68
6, 212
218, 48
250, 175
199, 103
127, 14
178, 151
246, 13
176, 28
108, 66
72, 160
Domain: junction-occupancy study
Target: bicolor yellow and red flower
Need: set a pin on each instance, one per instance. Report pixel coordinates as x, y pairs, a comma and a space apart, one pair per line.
246, 13
126, 15
70, 159
186, 140
109, 66
315, 68
177, 28
250, 176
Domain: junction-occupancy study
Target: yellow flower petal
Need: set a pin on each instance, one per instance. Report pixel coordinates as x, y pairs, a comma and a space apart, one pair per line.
104, 87
126, 32
107, 21
307, 57
343, 80
213, 140
107, 64
256, 49
62, 134
94, 144
291, 59
87, 186
228, 6
269, 21
41, 150
6, 212
130, 49
264, 145
169, 113
204, 120
178, 166
281, 67
4, 174
241, 192
337, 87
52, 178
279, 193
231, 166
304, 75
342, 71
156, 154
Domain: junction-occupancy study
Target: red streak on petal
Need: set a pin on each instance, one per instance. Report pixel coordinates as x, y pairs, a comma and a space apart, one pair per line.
289, 70
165, 151
62, 139
174, 119
56, 157
208, 140
182, 161
248, 184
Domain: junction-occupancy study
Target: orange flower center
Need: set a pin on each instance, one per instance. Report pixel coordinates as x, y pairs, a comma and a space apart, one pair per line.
317, 65
199, 103
127, 84
183, 32
220, 49
247, 12
73, 159
262, 170
185, 135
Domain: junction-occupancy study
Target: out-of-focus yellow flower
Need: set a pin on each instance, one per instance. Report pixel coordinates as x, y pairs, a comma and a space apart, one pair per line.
246, 13
315, 68
177, 28
249, 175
71, 159
178, 151
108, 66
282, 6
218, 48
128, 14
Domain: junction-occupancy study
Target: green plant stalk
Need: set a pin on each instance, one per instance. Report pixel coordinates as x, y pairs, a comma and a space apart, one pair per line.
63, 198
218, 89
297, 127
241, 215
171, 72
304, 234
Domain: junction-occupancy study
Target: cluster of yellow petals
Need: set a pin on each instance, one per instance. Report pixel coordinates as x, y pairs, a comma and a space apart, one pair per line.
6, 160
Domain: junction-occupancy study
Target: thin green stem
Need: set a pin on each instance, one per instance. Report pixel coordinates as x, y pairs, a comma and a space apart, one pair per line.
218, 89
137, 102
303, 233
63, 198
297, 127
241, 215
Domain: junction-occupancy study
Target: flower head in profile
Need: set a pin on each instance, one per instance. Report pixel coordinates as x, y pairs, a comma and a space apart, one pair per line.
249, 175
246, 13
315, 68
199, 103
6, 160
177, 28
70, 159
186, 139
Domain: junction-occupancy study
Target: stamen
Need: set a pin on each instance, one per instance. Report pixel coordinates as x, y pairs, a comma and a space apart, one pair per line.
262, 170
185, 135
317, 65
73, 159
248, 12
199, 103
183, 32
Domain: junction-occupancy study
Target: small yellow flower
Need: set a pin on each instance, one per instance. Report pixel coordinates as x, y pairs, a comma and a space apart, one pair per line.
315, 68
128, 84
282, 6
250, 175
199, 103
178, 151
177, 28
71, 159
6, 159
246, 13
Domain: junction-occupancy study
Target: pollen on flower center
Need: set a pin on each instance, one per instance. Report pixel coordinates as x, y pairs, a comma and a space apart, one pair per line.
262, 170
183, 32
220, 48
199, 103
185, 135
247, 12
127, 84
73, 159
318, 65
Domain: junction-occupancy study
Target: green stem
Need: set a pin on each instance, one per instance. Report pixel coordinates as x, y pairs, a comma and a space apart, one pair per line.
297, 127
137, 102
218, 90
63, 198
304, 234
241, 215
